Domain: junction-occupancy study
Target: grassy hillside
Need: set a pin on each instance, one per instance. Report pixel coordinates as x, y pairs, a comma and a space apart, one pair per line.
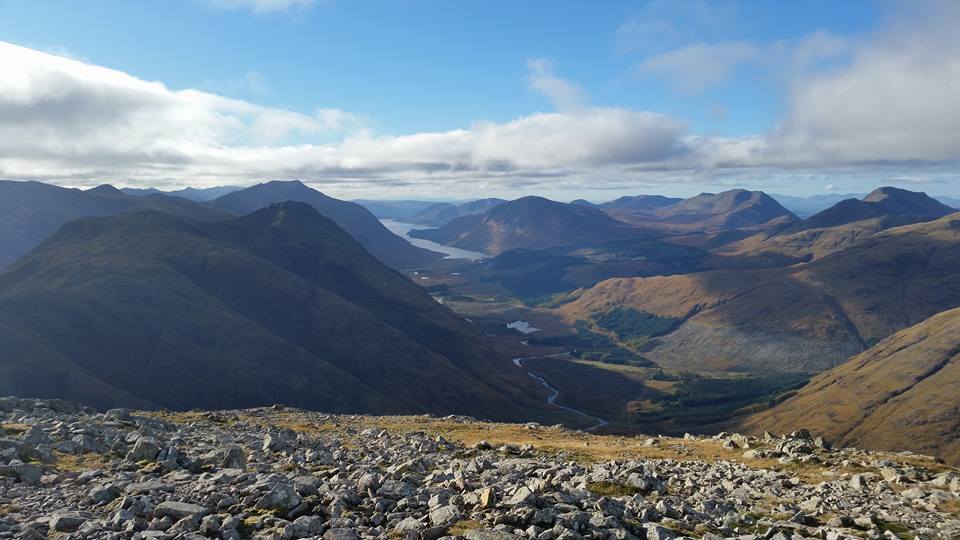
903, 393
805, 317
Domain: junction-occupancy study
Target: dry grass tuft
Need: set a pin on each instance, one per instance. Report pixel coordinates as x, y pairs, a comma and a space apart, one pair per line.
612, 489
7, 509
14, 429
461, 527
79, 463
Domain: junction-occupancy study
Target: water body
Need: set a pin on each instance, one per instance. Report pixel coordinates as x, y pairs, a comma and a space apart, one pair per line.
402, 230
523, 327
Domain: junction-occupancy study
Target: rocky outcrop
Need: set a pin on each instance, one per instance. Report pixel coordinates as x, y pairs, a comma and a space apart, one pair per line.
286, 474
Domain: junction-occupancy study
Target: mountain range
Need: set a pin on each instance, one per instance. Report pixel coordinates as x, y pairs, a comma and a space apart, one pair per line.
806, 317
147, 309
530, 222
440, 214
194, 194
846, 223
32, 211
711, 212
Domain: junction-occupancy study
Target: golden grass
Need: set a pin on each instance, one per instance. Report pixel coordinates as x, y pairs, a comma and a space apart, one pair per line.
79, 463
951, 507
612, 489
461, 527
7, 509
14, 429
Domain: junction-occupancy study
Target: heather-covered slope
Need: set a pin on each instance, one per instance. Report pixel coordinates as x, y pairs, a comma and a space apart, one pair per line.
901, 394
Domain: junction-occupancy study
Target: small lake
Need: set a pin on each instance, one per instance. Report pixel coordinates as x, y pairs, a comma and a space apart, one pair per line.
523, 327
402, 229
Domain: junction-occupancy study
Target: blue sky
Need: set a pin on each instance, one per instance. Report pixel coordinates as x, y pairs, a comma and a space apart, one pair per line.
714, 93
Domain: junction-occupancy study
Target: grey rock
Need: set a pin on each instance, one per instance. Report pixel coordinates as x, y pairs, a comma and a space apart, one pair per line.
340, 533
143, 450
68, 521
177, 510
282, 497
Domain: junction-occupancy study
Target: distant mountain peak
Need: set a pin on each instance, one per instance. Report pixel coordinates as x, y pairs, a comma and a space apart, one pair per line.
106, 188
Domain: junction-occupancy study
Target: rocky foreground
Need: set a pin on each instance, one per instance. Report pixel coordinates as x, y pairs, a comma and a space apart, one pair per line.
70, 472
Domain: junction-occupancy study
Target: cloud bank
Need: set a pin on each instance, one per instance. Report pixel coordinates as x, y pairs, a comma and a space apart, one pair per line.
892, 107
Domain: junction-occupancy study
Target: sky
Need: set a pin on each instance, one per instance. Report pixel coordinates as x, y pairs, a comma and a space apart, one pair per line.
464, 98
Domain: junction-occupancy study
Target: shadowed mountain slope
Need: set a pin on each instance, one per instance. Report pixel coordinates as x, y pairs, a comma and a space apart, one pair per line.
353, 218
277, 306
901, 394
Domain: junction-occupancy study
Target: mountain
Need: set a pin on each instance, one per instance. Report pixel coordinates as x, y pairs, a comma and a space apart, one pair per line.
847, 222
805, 317
807, 206
440, 214
355, 219
638, 205
387, 209
886, 201
31, 211
734, 209
194, 194
280, 305
901, 394
530, 222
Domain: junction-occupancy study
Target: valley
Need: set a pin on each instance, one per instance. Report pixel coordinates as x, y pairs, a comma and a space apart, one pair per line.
667, 316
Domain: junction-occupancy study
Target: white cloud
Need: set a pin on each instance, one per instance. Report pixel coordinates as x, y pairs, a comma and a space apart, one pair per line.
891, 111
896, 100
261, 6
665, 24
62, 118
564, 95
695, 67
